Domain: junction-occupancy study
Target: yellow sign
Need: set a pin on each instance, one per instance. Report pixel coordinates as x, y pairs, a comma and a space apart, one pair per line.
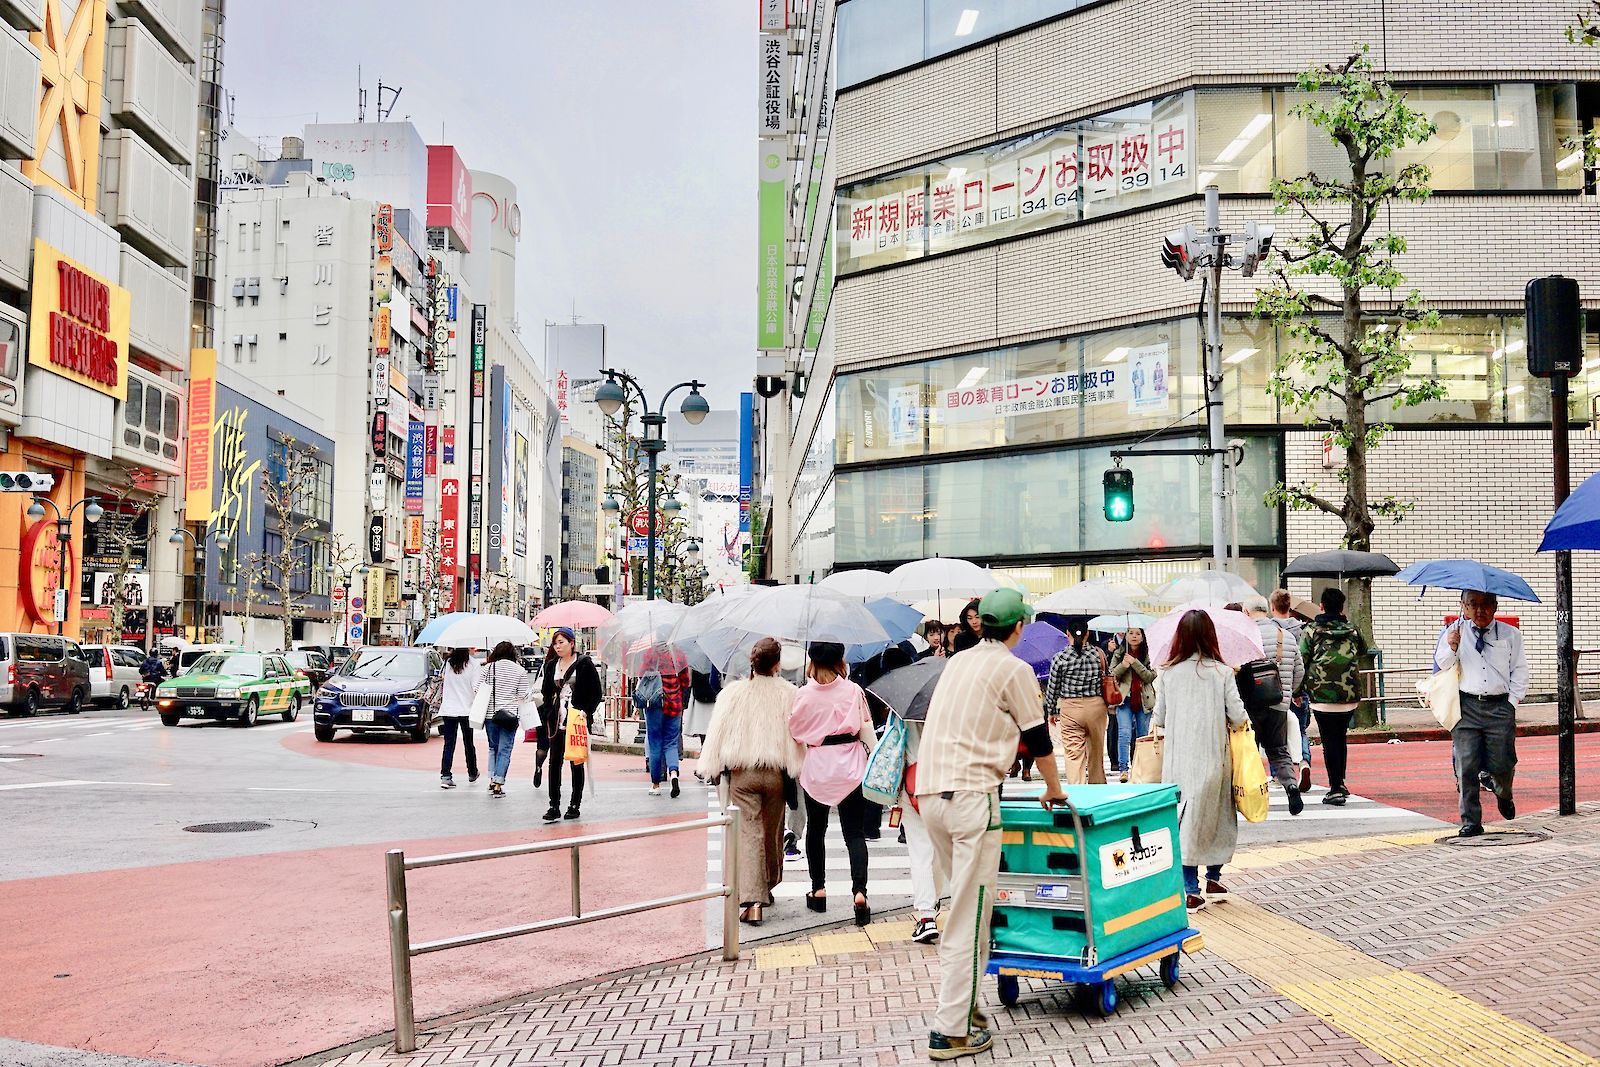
413, 533
202, 414
380, 330
79, 325
375, 602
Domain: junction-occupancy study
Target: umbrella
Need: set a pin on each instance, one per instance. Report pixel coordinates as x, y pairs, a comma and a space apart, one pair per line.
1221, 586
1468, 576
865, 584
908, 690
938, 576
1341, 563
577, 614
699, 619
1576, 523
640, 625
899, 620
1238, 637
464, 629
1133, 620
799, 613
1097, 596
947, 609
1039, 644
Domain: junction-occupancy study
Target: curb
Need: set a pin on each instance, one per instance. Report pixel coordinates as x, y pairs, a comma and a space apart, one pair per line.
1437, 733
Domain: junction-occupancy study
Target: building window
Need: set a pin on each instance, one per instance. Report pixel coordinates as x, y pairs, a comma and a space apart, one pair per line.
879, 36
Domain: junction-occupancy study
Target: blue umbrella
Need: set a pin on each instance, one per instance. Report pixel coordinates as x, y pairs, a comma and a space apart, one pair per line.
1039, 645
899, 620
1576, 523
1468, 576
436, 626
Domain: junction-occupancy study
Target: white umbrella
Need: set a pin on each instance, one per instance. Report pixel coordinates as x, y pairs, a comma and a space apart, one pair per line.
474, 630
698, 620
798, 613
947, 609
940, 576
866, 584
1097, 596
1133, 620
1209, 585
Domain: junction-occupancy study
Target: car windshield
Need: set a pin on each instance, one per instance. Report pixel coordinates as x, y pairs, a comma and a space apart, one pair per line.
239, 664
391, 666
296, 659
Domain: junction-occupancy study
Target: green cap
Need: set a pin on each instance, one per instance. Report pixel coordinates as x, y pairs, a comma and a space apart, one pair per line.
1004, 607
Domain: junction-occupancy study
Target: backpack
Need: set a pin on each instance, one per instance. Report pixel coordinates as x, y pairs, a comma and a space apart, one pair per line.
706, 686
1260, 684
1334, 664
648, 692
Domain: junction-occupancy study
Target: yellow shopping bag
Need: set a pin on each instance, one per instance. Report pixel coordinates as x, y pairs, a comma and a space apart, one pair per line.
577, 737
1249, 777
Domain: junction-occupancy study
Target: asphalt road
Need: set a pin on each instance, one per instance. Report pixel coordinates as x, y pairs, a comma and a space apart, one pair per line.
123, 933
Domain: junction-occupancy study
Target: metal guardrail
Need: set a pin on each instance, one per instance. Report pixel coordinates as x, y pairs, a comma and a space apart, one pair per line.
401, 950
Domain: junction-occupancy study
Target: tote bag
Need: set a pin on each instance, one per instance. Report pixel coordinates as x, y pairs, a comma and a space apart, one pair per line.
1441, 693
1145, 767
886, 767
1249, 777
480, 707
577, 736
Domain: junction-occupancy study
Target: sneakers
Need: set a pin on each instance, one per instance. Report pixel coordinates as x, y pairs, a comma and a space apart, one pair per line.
1216, 891
675, 789
496, 789
472, 779
1305, 778
926, 931
941, 1047
447, 783
791, 848
1296, 804
553, 814
1508, 807
571, 812
1470, 831
655, 790
1336, 797
1194, 902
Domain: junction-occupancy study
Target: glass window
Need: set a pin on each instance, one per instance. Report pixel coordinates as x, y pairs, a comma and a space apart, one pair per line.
133, 407
152, 410
877, 36
170, 424
1236, 142
879, 514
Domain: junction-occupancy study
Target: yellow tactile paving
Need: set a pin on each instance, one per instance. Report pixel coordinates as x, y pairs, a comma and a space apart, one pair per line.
1272, 855
1410, 1020
888, 933
774, 957
841, 944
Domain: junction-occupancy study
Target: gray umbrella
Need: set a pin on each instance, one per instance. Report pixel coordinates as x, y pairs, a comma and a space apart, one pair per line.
907, 690
1341, 563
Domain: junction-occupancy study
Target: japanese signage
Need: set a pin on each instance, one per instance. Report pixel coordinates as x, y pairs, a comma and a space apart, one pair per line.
430, 451
380, 383
415, 449
381, 330
449, 539
375, 540
383, 228
450, 194
380, 434
475, 434
447, 444
777, 72
413, 534
202, 409
1147, 380
1136, 857
430, 392
774, 16
79, 325
773, 287
1139, 381
747, 461
452, 300
378, 486
562, 384
383, 280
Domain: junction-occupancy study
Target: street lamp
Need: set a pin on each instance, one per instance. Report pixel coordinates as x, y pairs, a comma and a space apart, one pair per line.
92, 513
343, 576
179, 536
610, 396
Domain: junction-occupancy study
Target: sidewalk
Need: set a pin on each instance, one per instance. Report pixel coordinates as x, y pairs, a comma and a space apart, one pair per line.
1388, 949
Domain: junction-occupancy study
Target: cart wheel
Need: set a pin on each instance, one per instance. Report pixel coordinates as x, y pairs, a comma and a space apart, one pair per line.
1169, 970
1008, 989
1106, 998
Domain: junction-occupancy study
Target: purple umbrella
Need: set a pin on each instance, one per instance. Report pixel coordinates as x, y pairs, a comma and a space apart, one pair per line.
1039, 645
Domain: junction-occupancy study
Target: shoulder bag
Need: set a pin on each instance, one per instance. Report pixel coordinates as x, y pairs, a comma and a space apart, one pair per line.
886, 767
1260, 684
1110, 691
503, 717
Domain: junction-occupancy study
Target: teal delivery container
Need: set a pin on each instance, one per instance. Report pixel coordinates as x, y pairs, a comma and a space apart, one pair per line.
1096, 877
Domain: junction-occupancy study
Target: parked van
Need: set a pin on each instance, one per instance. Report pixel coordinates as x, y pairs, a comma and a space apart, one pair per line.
42, 671
113, 673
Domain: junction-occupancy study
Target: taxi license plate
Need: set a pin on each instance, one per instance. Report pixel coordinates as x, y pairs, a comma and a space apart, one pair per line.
361, 716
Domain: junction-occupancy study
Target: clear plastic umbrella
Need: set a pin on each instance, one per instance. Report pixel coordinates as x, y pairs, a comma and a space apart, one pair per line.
940, 576
866, 584
1210, 585
1238, 636
798, 613
1097, 596
638, 626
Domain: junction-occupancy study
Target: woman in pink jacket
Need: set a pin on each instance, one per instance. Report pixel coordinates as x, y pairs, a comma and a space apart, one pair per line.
830, 718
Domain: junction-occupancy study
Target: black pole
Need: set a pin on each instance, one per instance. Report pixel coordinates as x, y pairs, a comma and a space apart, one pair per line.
63, 542
1566, 695
650, 539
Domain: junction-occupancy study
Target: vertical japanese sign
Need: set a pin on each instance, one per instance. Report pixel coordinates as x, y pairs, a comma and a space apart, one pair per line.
430, 451
413, 535
772, 213
777, 74
381, 330
447, 444
415, 450
202, 411
774, 16
449, 539
383, 280
475, 434
500, 472
747, 458
383, 228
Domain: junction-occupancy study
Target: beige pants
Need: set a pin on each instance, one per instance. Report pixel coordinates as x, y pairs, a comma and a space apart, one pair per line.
965, 832
758, 792
1083, 739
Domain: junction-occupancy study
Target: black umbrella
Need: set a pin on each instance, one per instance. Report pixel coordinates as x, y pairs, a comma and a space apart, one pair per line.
907, 690
1341, 563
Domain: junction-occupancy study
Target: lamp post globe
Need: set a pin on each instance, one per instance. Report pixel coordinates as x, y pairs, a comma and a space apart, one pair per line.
93, 513
610, 505
223, 541
695, 408
672, 503
609, 396
35, 511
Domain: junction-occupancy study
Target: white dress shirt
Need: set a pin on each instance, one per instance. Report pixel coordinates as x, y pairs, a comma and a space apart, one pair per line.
1502, 666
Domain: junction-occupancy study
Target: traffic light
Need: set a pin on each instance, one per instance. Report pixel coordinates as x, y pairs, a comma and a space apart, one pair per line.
1257, 244
1182, 249
1118, 483
26, 482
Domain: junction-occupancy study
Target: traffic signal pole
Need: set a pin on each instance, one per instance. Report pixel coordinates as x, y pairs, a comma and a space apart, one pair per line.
1566, 683
1215, 424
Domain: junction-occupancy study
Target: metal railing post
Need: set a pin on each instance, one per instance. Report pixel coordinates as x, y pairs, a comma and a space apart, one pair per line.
730, 884
577, 894
405, 1025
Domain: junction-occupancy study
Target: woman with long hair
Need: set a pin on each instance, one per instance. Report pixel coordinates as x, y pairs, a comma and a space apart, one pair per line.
969, 630
568, 681
832, 721
1138, 681
455, 704
749, 741
1074, 696
1197, 703
509, 686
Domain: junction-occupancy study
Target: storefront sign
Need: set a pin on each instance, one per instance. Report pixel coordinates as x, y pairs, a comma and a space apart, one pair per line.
383, 280
383, 228
430, 451
447, 444
415, 452
375, 540
381, 330
40, 576
378, 486
777, 74
1138, 380
773, 288
79, 325
202, 412
380, 383
380, 434
431, 385
413, 534
774, 16
449, 540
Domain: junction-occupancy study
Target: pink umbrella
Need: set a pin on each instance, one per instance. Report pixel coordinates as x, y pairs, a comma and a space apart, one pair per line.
1237, 634
574, 613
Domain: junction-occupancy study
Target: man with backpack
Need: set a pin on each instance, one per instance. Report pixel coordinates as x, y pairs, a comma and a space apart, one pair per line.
1271, 721
1332, 650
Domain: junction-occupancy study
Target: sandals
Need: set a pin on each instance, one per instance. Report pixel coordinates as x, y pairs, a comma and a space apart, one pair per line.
816, 901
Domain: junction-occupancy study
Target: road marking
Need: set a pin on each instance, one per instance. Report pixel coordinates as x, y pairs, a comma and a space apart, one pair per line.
286, 789
78, 781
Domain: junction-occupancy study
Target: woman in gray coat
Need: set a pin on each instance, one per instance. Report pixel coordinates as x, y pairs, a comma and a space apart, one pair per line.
1197, 702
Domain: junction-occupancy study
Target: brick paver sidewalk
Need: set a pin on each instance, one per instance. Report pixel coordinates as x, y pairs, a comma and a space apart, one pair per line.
1369, 951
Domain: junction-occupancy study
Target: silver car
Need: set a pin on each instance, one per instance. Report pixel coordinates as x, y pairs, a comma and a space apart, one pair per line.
113, 673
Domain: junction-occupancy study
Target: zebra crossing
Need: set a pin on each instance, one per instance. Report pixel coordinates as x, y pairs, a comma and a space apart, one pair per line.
28, 732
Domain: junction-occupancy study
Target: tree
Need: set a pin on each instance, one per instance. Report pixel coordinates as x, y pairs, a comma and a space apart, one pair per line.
1349, 365
128, 500
1585, 30
289, 487
247, 587
629, 482
753, 563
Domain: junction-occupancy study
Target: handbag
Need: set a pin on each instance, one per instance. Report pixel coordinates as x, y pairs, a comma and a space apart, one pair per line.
1110, 691
1145, 767
1260, 684
479, 709
886, 767
1249, 777
577, 736
1441, 693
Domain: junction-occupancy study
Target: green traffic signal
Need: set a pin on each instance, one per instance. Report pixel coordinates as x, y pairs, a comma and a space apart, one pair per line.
1118, 484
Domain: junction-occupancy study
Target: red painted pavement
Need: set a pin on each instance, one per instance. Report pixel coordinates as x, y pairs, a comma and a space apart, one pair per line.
1416, 775
396, 751
263, 959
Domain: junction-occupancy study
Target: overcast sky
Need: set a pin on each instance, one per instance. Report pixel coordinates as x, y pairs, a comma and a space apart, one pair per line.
627, 126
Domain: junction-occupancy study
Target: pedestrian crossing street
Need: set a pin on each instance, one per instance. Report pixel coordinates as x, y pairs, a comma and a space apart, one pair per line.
26, 733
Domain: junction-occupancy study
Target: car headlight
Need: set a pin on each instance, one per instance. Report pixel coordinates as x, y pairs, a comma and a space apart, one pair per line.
228, 694
409, 694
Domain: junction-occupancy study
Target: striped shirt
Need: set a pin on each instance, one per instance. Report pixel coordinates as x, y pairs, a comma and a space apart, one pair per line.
983, 702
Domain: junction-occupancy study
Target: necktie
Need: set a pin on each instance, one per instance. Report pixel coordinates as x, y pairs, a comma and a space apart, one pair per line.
1481, 632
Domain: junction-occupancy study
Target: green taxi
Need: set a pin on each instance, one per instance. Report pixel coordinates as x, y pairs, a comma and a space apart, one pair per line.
233, 685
